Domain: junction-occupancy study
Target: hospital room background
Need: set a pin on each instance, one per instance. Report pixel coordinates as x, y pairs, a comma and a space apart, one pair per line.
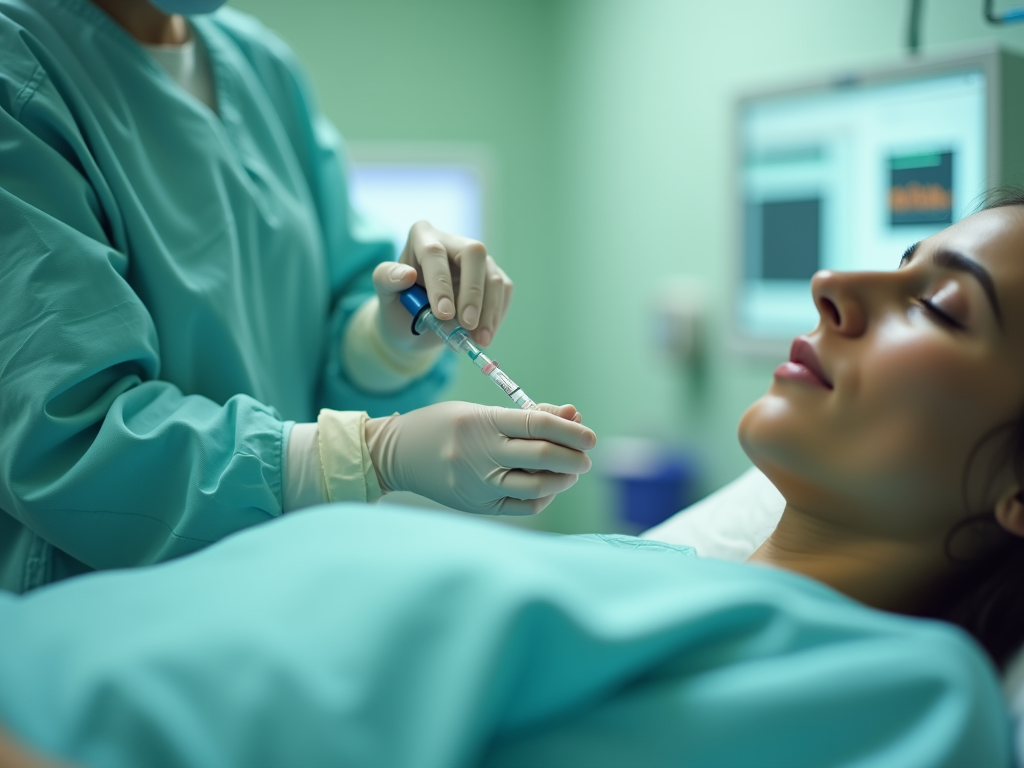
596, 139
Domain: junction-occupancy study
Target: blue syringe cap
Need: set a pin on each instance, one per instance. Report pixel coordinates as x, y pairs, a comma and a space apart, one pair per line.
415, 300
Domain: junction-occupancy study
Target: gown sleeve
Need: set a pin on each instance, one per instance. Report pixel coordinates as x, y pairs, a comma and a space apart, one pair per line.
97, 455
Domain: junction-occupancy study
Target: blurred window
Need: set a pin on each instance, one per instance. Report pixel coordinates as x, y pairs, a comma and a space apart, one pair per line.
396, 195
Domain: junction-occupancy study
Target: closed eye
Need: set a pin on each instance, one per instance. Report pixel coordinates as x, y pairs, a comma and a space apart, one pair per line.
945, 319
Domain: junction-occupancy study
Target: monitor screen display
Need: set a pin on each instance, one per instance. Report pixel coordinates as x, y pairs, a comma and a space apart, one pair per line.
846, 178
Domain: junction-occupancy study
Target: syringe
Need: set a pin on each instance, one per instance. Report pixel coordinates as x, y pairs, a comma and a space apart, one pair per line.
456, 338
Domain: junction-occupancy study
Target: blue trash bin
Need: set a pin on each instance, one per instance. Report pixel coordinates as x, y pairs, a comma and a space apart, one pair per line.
652, 481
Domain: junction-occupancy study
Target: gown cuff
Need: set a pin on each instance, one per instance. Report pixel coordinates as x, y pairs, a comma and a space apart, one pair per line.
303, 472
348, 473
375, 365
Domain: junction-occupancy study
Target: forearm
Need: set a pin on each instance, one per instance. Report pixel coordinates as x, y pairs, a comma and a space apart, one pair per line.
141, 475
338, 389
374, 363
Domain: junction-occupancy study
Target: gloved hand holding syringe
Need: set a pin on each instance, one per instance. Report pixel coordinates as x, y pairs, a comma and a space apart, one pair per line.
471, 457
456, 338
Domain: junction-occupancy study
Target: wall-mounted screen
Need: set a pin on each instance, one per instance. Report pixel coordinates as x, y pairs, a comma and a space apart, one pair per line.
845, 176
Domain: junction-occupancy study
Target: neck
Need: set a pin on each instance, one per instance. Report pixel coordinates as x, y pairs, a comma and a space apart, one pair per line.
890, 575
145, 22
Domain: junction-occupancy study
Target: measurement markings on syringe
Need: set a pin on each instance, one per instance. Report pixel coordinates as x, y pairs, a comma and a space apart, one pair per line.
503, 381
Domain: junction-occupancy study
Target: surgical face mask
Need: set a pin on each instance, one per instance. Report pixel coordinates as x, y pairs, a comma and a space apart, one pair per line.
188, 7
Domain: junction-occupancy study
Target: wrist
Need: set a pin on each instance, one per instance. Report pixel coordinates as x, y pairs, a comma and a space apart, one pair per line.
303, 473
348, 470
379, 445
377, 362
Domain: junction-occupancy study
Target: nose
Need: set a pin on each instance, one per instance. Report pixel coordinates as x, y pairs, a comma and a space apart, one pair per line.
842, 301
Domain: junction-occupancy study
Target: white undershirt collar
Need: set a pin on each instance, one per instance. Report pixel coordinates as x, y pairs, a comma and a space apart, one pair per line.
188, 64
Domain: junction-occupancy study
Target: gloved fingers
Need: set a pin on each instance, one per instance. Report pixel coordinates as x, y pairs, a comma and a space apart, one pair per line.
455, 265
497, 297
539, 424
389, 278
472, 260
567, 411
517, 484
426, 251
509, 507
542, 456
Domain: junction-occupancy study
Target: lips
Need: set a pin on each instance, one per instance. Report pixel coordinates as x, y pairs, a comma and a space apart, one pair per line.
804, 365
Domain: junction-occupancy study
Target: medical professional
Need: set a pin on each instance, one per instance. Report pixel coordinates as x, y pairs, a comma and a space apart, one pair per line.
196, 332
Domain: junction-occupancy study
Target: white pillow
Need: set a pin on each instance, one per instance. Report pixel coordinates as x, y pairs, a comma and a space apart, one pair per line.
736, 519
730, 523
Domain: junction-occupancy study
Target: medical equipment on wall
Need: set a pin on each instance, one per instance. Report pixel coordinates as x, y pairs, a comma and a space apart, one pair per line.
456, 338
1010, 15
1006, 16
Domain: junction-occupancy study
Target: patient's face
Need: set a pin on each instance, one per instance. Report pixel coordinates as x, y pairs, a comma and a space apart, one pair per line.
919, 367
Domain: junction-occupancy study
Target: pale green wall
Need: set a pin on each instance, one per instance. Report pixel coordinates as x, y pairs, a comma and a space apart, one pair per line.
609, 122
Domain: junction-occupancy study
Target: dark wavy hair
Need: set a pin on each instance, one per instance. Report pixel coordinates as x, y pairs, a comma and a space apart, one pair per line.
986, 596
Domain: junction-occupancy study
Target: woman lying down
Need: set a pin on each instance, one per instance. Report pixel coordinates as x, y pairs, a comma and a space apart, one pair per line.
360, 636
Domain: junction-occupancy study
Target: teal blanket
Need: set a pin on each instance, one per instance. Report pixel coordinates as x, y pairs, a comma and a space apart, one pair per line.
350, 635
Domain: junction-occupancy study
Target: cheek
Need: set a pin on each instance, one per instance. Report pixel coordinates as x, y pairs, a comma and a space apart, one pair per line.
913, 412
916, 399
895, 435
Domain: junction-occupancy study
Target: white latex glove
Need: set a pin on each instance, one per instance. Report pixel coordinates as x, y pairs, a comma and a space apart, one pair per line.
479, 458
461, 280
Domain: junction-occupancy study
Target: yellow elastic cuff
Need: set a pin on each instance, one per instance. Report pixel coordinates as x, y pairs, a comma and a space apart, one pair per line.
348, 472
373, 363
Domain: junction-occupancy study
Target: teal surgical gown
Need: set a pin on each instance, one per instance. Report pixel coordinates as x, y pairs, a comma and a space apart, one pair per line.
174, 285
383, 637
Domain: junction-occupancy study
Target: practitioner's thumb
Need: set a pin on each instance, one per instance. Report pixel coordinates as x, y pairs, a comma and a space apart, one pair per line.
389, 278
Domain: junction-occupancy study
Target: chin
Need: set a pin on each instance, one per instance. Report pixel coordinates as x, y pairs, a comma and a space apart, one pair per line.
779, 443
766, 427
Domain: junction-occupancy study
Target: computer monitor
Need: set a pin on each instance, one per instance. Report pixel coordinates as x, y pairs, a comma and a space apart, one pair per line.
846, 174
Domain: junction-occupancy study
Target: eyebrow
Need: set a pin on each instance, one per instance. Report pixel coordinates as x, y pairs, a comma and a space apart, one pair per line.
947, 259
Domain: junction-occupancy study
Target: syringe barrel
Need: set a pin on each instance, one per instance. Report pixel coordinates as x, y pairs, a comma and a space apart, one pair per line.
457, 339
452, 334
